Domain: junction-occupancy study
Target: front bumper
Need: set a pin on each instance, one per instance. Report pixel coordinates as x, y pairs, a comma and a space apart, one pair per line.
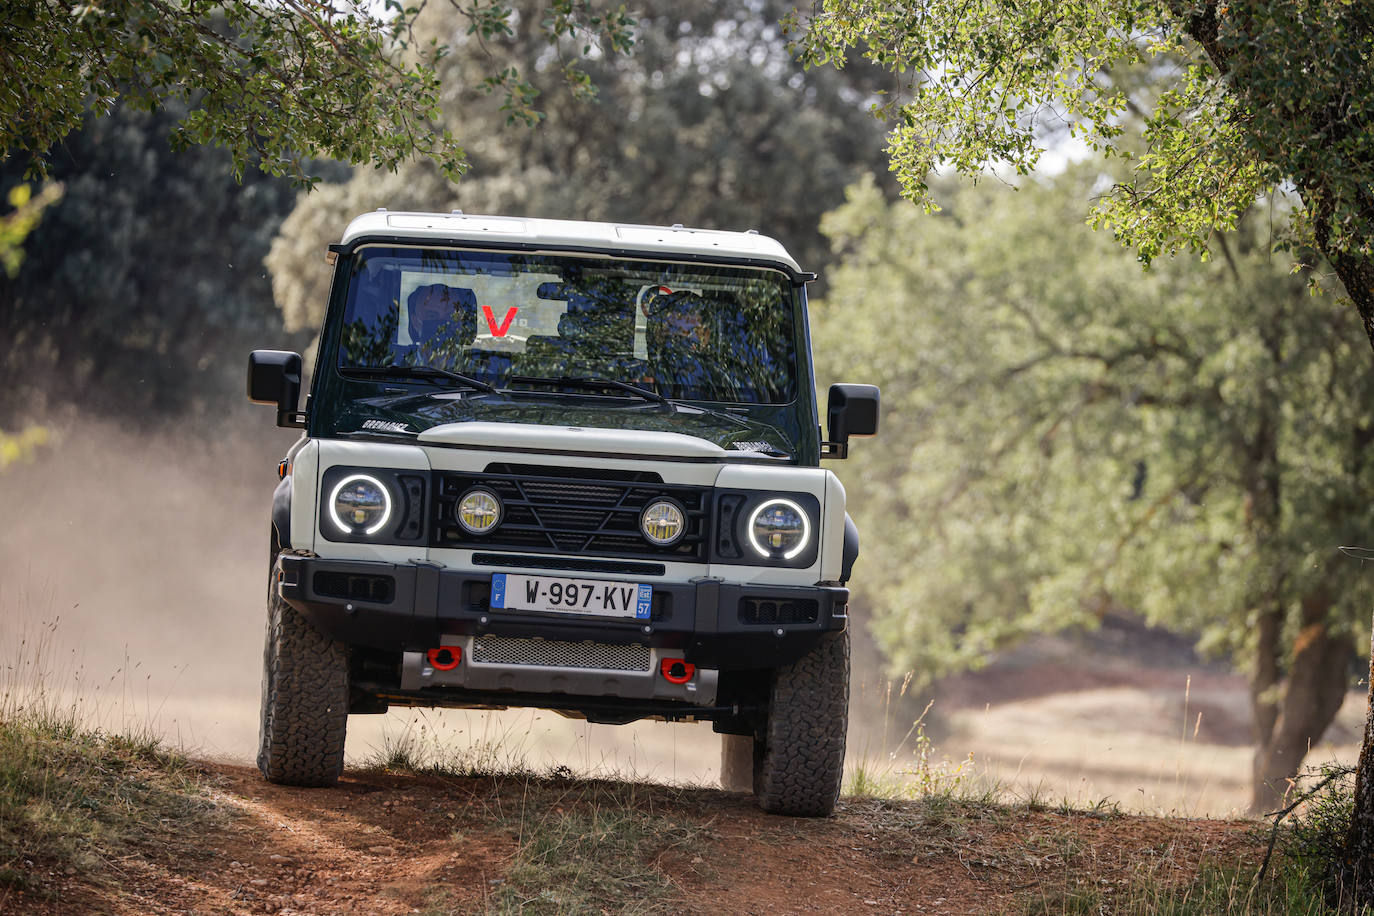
410, 607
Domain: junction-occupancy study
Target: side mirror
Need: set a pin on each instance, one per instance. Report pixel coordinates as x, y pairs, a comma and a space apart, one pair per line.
852, 411
274, 377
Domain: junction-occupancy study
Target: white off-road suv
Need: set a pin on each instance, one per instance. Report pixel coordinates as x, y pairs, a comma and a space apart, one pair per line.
565, 465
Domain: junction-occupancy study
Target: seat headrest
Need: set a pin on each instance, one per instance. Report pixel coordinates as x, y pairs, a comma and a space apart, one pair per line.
463, 301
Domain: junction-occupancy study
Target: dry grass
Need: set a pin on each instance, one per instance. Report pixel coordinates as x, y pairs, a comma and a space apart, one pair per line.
74, 798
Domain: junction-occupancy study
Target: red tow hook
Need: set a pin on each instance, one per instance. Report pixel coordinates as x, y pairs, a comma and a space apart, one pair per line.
676, 671
445, 658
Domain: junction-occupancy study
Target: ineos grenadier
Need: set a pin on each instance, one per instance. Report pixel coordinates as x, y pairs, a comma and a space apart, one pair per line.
566, 465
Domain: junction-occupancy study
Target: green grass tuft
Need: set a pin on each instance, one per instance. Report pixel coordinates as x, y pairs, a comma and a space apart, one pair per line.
606, 856
1291, 890
418, 750
70, 799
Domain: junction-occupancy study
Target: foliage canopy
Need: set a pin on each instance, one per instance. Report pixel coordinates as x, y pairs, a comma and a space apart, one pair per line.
274, 83
1239, 97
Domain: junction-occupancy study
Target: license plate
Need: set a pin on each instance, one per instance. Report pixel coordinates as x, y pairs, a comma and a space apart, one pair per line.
556, 595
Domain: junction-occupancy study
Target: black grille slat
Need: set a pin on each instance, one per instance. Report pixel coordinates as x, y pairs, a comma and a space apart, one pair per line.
620, 541
571, 519
573, 510
571, 543
546, 491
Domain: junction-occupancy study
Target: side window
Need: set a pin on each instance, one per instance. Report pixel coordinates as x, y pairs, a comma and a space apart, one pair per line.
371, 320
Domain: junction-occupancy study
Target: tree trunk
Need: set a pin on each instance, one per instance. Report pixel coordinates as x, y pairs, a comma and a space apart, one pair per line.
1315, 691
1356, 271
1359, 842
1264, 680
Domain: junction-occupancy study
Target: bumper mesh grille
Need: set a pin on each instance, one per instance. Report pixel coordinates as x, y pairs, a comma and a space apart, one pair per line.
778, 610
376, 589
506, 650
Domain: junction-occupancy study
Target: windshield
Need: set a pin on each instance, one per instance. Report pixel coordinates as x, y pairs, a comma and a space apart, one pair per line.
519, 321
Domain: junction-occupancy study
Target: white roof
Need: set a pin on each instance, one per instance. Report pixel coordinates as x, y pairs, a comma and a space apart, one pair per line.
563, 233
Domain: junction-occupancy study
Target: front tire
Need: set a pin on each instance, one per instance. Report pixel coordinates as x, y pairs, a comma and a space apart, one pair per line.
304, 700
802, 765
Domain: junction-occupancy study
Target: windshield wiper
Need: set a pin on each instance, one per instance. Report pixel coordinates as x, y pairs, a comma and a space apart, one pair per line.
426, 373
593, 383
601, 383
744, 422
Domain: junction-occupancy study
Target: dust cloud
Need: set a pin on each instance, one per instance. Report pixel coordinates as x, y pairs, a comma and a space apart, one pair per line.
141, 558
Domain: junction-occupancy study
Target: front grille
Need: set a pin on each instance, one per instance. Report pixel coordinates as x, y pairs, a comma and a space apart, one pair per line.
569, 511
778, 610
506, 650
375, 589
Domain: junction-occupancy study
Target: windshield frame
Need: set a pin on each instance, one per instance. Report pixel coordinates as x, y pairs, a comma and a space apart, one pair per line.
331, 391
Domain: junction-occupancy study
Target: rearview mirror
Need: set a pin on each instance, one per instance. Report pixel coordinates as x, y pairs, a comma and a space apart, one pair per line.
852, 411
274, 377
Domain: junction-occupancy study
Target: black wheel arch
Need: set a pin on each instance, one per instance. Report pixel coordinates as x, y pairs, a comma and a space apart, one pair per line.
851, 548
281, 515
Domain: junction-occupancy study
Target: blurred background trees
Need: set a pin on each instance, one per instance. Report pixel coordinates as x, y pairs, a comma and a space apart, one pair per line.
15, 226
708, 123
142, 288
1065, 434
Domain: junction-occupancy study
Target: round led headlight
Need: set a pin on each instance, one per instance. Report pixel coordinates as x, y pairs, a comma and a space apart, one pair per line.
478, 511
663, 522
360, 505
779, 529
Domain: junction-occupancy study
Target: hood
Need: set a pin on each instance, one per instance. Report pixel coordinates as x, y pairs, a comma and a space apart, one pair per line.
594, 440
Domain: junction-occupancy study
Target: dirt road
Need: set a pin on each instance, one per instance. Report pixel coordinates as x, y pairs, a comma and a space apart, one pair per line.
385, 843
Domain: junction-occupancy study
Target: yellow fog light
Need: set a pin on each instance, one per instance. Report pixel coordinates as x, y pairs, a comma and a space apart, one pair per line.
479, 511
663, 522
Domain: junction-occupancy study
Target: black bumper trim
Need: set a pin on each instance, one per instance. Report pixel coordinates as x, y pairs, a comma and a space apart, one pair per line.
430, 601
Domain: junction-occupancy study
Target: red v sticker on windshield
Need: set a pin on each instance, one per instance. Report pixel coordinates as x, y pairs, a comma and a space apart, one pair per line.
505, 325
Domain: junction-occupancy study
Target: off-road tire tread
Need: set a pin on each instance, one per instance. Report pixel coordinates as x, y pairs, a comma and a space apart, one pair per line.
802, 764
304, 701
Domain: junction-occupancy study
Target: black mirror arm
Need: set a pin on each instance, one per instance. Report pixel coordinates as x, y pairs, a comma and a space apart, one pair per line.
291, 418
835, 449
